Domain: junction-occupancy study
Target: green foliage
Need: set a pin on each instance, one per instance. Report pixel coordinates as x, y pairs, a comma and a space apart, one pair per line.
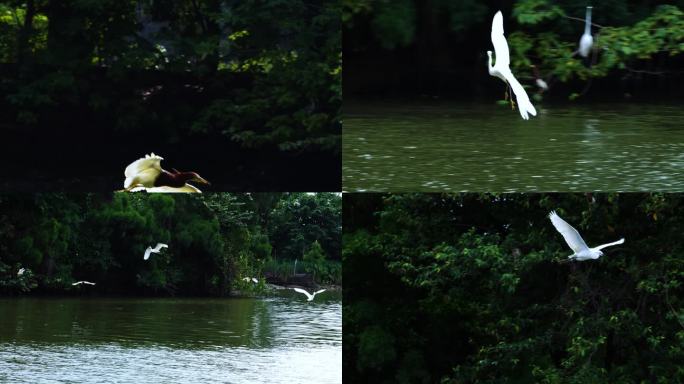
394, 21
616, 48
266, 74
214, 240
630, 39
474, 288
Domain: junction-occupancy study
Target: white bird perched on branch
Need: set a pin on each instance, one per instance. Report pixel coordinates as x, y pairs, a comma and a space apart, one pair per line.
575, 241
156, 249
309, 296
586, 41
21, 272
501, 68
83, 282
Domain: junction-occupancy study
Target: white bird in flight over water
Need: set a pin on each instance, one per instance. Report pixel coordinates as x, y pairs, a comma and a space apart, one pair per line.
586, 41
575, 241
501, 68
83, 282
156, 249
309, 297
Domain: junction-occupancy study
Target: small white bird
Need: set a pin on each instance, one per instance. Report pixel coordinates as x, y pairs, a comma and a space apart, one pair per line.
156, 249
83, 282
253, 279
309, 297
501, 68
21, 272
586, 41
575, 241
542, 84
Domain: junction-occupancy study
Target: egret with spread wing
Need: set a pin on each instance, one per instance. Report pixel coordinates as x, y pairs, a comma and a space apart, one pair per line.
147, 174
572, 237
156, 249
309, 296
83, 282
501, 68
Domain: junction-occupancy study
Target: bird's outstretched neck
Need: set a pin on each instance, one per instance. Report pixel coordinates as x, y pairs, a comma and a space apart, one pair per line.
491, 67
587, 22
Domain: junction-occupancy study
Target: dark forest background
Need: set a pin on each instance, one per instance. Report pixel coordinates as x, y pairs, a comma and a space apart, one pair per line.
466, 288
215, 241
437, 48
247, 93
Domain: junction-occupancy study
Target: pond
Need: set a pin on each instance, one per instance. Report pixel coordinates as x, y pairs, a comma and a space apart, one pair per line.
275, 340
441, 146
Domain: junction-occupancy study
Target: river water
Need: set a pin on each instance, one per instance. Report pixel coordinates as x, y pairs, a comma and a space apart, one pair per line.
440, 146
245, 340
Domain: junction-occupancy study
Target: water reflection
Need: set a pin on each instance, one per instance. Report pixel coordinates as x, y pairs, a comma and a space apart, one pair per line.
442, 147
131, 340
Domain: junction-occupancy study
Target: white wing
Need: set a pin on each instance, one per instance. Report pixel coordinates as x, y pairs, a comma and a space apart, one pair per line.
147, 253
499, 41
600, 247
159, 246
317, 292
524, 104
147, 162
187, 188
586, 41
254, 280
308, 295
570, 234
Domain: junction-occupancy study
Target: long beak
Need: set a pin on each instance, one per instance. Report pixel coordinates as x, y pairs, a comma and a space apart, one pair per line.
200, 180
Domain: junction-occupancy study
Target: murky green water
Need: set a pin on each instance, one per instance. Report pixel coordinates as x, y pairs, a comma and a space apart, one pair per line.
275, 340
441, 146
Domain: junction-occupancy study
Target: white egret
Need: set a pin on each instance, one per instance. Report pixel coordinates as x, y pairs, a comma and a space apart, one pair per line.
187, 188
309, 296
501, 68
543, 86
572, 237
586, 41
147, 173
83, 282
21, 272
253, 280
156, 249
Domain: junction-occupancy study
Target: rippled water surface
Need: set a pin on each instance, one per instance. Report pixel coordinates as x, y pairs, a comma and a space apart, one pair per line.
275, 340
449, 147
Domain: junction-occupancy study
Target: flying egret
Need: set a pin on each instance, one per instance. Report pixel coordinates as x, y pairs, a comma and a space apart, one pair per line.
156, 249
147, 173
586, 41
543, 86
309, 297
21, 272
83, 282
501, 68
575, 241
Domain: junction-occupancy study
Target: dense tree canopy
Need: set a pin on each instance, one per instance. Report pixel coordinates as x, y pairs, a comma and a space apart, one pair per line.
214, 240
474, 288
253, 83
439, 47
